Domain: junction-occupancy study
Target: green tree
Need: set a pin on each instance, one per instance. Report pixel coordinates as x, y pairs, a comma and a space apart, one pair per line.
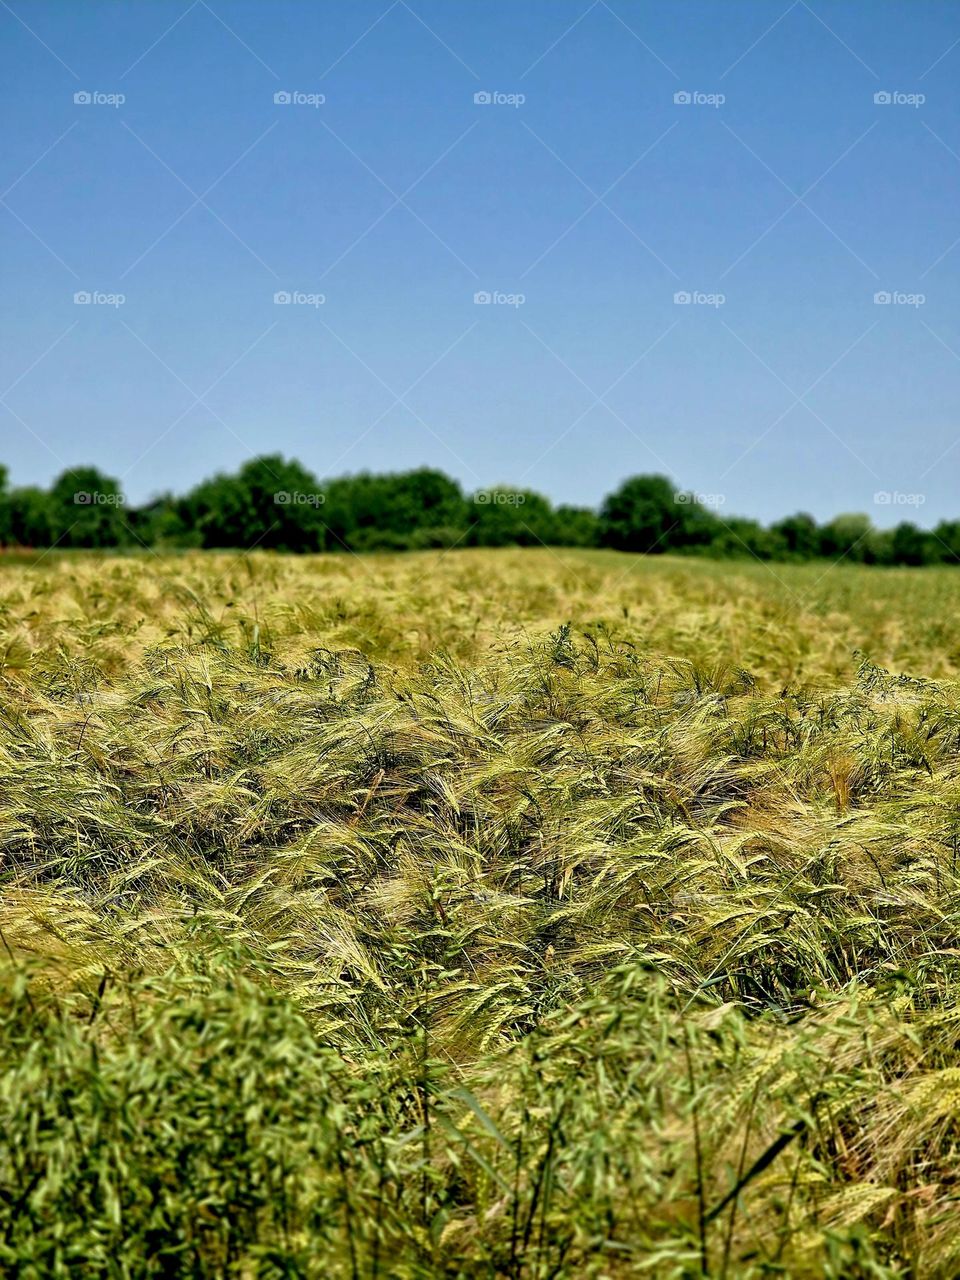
639, 515
6, 526
799, 535
649, 514
423, 499
422, 507
910, 545
503, 517
86, 509
946, 540
575, 527
847, 536
738, 537
161, 522
30, 521
269, 503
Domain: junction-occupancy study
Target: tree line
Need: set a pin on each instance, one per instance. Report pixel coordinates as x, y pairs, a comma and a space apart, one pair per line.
277, 504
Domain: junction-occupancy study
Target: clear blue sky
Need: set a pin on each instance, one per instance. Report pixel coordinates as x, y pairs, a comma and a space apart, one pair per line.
597, 198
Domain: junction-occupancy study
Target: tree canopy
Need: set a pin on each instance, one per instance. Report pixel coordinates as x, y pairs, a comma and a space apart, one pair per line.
278, 504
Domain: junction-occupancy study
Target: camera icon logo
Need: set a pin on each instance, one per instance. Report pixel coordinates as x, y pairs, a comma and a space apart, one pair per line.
82, 99
882, 99
682, 98
282, 298
482, 298
81, 299
282, 98
83, 499
483, 98
882, 299
681, 299
281, 499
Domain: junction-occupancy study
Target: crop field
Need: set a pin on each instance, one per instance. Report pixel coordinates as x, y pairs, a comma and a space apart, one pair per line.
493, 913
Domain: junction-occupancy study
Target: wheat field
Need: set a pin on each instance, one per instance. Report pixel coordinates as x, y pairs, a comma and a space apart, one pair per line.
520, 913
